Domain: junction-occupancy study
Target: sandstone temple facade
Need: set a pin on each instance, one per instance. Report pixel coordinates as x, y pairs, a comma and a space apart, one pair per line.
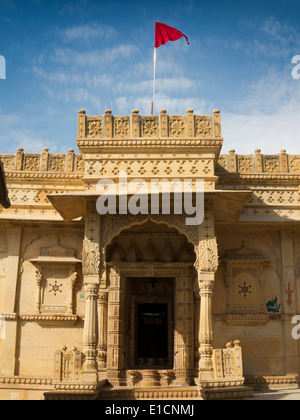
146, 306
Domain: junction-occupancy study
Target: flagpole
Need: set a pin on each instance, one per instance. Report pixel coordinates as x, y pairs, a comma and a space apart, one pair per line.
154, 80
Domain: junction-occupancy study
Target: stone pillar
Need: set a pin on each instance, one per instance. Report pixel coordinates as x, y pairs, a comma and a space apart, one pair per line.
90, 337
206, 283
116, 339
184, 337
289, 302
91, 271
206, 265
9, 345
102, 329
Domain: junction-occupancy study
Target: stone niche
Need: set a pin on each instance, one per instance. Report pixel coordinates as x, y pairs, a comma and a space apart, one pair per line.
245, 281
56, 277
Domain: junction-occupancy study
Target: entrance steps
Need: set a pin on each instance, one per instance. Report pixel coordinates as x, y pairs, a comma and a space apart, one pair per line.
175, 393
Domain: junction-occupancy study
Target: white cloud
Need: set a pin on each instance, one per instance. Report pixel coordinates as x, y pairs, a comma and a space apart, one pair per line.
92, 58
267, 118
173, 105
87, 33
13, 135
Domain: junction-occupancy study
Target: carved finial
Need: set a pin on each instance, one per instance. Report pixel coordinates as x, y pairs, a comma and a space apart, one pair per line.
82, 111
216, 111
190, 111
163, 111
135, 111
108, 112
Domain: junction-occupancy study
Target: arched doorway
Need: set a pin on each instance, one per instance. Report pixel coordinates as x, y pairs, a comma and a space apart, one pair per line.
151, 314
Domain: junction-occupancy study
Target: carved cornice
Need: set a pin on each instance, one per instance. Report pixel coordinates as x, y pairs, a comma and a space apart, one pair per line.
153, 143
43, 175
56, 320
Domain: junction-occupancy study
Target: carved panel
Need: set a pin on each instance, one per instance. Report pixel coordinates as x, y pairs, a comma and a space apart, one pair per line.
68, 365
177, 126
8, 162
203, 126
228, 363
94, 127
56, 277
122, 127
31, 162
150, 127
79, 164
223, 164
57, 163
245, 281
271, 164
3, 252
294, 164
245, 164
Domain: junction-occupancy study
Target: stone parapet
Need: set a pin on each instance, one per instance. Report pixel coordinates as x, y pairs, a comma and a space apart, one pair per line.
162, 126
258, 163
44, 162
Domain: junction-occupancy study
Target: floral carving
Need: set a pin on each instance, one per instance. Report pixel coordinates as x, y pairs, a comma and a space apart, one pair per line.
122, 127
8, 162
203, 127
94, 128
207, 256
150, 128
90, 258
31, 163
271, 164
177, 127
295, 165
57, 163
79, 164
246, 164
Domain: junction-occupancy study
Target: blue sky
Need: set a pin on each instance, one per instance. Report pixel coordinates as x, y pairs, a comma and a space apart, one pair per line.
62, 56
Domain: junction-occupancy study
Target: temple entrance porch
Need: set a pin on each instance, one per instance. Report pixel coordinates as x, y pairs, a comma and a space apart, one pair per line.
151, 322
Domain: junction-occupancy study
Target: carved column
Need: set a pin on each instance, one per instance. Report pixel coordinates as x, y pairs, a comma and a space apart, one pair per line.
102, 329
91, 272
90, 337
116, 339
206, 283
206, 265
71, 282
184, 338
39, 281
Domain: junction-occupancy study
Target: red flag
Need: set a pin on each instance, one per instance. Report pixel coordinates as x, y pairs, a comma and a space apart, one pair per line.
165, 33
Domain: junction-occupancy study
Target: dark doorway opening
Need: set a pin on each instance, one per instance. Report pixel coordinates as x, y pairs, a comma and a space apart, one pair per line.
152, 334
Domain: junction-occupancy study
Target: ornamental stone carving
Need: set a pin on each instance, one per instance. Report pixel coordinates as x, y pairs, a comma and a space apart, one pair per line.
94, 127
90, 258
207, 256
203, 127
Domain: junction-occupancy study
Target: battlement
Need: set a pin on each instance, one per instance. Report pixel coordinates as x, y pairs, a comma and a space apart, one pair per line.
42, 162
137, 126
258, 163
